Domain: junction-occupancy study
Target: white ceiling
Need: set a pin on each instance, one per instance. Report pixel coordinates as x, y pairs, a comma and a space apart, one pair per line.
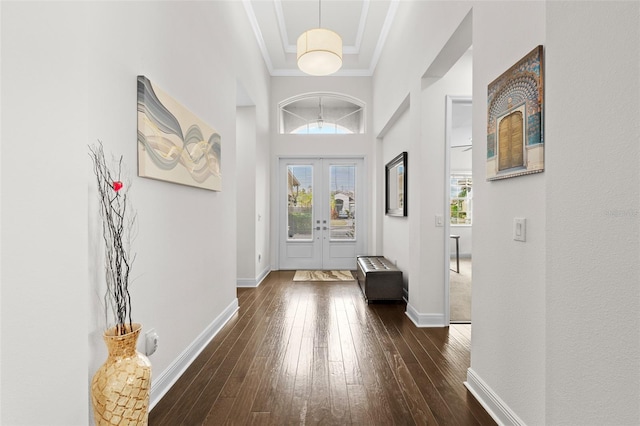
362, 24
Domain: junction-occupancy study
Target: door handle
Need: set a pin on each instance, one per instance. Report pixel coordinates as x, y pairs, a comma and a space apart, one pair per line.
317, 228
324, 228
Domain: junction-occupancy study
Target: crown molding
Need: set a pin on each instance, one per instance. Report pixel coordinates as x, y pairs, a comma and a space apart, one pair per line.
347, 50
253, 21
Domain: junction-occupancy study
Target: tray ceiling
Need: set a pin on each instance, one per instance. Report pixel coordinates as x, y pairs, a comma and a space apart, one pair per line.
362, 24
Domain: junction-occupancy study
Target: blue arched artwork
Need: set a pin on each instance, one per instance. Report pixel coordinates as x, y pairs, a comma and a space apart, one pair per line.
515, 134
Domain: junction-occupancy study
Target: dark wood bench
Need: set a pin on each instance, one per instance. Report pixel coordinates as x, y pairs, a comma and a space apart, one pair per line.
378, 278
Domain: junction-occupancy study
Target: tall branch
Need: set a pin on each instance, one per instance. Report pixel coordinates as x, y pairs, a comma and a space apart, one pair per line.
117, 225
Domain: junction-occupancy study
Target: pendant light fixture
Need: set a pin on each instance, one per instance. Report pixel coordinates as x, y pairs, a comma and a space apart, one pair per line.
319, 49
320, 120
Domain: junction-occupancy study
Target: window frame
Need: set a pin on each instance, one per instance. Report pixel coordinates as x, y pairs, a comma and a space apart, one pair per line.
468, 197
333, 95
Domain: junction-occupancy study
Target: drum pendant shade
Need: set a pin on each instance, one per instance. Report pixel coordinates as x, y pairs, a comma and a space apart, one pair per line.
319, 52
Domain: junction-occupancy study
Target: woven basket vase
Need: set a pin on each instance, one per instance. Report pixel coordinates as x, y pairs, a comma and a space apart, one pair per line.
120, 387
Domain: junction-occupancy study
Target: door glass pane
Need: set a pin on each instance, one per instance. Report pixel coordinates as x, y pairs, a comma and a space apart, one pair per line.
342, 188
300, 202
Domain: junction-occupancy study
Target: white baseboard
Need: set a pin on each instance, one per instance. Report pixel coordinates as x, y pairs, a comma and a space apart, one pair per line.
491, 402
161, 385
253, 282
425, 320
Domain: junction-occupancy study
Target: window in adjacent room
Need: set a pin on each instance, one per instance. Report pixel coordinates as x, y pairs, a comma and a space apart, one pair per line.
461, 199
321, 113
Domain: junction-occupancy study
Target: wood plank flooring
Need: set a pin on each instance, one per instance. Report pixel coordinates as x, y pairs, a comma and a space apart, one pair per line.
316, 353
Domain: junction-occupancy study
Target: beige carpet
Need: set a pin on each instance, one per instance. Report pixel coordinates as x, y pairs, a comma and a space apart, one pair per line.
460, 291
323, 276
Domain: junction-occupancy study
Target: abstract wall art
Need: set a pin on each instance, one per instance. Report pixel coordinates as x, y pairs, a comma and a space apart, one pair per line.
174, 145
515, 133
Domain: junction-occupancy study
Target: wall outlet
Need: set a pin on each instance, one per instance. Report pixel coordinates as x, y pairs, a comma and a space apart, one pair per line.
150, 342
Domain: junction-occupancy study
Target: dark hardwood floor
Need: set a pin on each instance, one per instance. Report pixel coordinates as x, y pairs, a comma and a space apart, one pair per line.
316, 353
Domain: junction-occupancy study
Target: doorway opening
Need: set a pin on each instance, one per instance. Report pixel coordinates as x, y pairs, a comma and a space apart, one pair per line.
459, 190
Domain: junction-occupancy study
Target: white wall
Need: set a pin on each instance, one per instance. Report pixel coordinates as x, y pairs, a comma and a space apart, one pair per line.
420, 30
246, 202
180, 266
44, 170
434, 261
592, 275
0, 214
395, 230
254, 81
418, 35
461, 161
69, 78
508, 339
545, 347
252, 204
508, 346
263, 188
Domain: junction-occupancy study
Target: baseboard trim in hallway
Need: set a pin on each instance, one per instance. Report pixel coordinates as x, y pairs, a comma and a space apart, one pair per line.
252, 282
425, 320
491, 402
161, 385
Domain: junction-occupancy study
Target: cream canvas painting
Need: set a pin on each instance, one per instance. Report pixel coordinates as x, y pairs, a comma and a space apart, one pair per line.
174, 145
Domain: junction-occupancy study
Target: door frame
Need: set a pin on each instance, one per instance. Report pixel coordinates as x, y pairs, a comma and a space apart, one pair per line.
449, 101
363, 199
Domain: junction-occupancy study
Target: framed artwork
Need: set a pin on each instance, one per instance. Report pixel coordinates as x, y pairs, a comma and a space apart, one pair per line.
174, 145
396, 186
515, 131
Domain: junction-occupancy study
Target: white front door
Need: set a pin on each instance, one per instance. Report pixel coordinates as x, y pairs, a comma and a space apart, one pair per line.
322, 219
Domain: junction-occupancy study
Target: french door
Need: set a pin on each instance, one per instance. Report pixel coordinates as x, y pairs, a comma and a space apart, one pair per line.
322, 216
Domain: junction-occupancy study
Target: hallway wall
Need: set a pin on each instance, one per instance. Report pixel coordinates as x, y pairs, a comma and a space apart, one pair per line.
69, 78
546, 347
45, 171
395, 230
508, 348
592, 270
253, 216
432, 182
508, 308
419, 32
175, 268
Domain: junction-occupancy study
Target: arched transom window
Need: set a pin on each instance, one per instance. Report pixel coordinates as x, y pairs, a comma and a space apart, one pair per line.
321, 113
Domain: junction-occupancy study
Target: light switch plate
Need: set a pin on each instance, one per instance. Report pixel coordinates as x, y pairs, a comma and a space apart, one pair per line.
439, 220
520, 229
